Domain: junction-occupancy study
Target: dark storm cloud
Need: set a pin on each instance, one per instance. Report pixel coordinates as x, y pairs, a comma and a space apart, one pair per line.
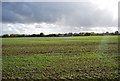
62, 13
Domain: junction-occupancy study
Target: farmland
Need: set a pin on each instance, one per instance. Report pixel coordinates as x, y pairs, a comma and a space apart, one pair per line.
79, 57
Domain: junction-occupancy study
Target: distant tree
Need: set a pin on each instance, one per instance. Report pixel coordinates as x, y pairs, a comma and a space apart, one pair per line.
81, 34
33, 35
70, 34
65, 34
116, 32
53, 35
92, 33
5, 35
13, 35
111, 33
41, 34
60, 35
76, 34
107, 33
87, 34
23, 35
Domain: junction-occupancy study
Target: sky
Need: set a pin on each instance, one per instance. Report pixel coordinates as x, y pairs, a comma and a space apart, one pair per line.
59, 17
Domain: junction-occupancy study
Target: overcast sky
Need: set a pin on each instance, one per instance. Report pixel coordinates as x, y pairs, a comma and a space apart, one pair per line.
59, 17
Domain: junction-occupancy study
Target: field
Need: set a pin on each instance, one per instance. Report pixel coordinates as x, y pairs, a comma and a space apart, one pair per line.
82, 57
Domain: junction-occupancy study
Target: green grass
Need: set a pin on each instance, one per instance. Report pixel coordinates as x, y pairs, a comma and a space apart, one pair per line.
84, 57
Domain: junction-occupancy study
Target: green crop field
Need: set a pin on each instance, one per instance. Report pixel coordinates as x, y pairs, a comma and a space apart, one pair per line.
82, 57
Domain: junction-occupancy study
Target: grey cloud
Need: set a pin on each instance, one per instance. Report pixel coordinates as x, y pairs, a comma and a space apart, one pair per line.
62, 13
9, 29
119, 16
38, 26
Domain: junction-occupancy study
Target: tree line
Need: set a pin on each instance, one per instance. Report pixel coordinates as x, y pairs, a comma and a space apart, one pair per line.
62, 35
